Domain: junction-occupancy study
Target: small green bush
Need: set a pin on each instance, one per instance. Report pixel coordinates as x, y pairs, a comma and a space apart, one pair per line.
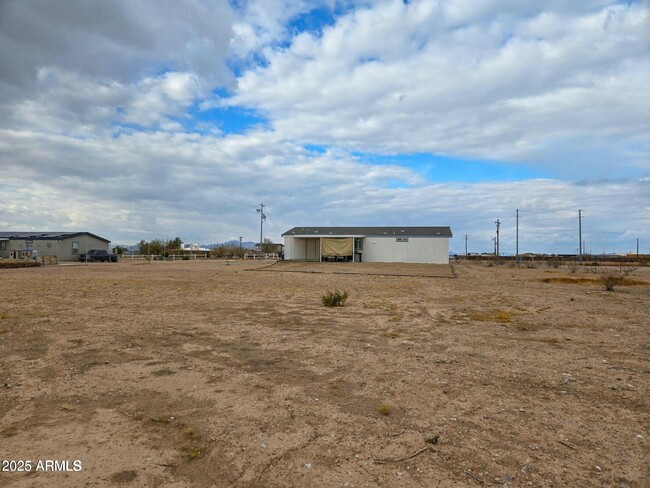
335, 298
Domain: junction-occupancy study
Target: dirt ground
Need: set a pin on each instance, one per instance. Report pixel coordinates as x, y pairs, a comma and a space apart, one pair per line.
181, 374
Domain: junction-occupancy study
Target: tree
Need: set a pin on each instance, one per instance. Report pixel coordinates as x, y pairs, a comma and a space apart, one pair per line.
160, 246
268, 246
175, 245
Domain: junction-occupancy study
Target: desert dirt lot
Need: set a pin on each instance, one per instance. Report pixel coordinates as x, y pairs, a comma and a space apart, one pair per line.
182, 374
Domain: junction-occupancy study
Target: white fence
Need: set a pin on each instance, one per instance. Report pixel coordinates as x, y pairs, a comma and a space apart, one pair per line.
272, 256
265, 257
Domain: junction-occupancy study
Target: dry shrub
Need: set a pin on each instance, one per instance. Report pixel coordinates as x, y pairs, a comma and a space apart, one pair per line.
384, 409
610, 279
628, 270
334, 298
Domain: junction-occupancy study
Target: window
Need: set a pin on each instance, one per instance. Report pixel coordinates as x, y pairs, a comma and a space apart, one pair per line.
75, 247
3, 245
358, 243
402, 239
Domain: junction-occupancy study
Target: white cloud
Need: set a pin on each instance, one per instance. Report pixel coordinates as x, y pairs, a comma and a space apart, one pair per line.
77, 67
123, 40
418, 78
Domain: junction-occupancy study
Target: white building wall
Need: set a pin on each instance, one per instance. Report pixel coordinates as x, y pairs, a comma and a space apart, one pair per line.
301, 248
434, 250
288, 248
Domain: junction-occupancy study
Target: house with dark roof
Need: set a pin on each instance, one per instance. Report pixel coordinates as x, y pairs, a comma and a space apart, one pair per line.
369, 244
66, 246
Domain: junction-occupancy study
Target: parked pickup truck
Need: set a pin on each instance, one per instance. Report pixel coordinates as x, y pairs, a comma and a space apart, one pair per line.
98, 255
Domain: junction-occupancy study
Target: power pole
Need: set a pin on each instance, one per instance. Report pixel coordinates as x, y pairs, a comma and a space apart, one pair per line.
637, 248
262, 219
580, 234
517, 239
497, 240
466, 246
494, 240
240, 248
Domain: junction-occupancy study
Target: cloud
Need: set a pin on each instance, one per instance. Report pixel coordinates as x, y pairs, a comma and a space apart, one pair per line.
462, 79
205, 188
120, 40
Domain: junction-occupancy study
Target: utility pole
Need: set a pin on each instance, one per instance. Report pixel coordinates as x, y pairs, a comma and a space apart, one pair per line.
494, 240
262, 219
240, 248
517, 238
580, 234
466, 246
637, 248
497, 239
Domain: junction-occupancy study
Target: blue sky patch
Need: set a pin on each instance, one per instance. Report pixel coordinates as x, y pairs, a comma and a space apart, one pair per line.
313, 21
230, 120
454, 169
316, 148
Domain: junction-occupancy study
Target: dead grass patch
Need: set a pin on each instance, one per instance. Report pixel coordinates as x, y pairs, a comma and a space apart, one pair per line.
549, 340
124, 477
592, 281
491, 316
527, 327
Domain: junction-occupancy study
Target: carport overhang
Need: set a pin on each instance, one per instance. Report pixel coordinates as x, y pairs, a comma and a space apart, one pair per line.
320, 238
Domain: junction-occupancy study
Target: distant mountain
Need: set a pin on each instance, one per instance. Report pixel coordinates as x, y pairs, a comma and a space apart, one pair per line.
244, 244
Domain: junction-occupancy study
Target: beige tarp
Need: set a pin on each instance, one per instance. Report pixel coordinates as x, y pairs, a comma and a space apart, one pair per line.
337, 246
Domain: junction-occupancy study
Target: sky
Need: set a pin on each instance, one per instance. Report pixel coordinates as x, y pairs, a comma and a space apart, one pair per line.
144, 119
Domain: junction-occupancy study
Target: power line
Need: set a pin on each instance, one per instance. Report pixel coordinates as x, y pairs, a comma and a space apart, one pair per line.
580, 232
517, 238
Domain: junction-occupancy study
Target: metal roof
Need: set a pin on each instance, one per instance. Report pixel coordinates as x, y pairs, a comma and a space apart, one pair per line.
370, 231
41, 236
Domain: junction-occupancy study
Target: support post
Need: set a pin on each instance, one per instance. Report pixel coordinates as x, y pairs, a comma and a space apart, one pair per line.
580, 235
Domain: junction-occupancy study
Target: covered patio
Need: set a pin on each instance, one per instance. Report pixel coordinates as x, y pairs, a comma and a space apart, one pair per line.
321, 249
